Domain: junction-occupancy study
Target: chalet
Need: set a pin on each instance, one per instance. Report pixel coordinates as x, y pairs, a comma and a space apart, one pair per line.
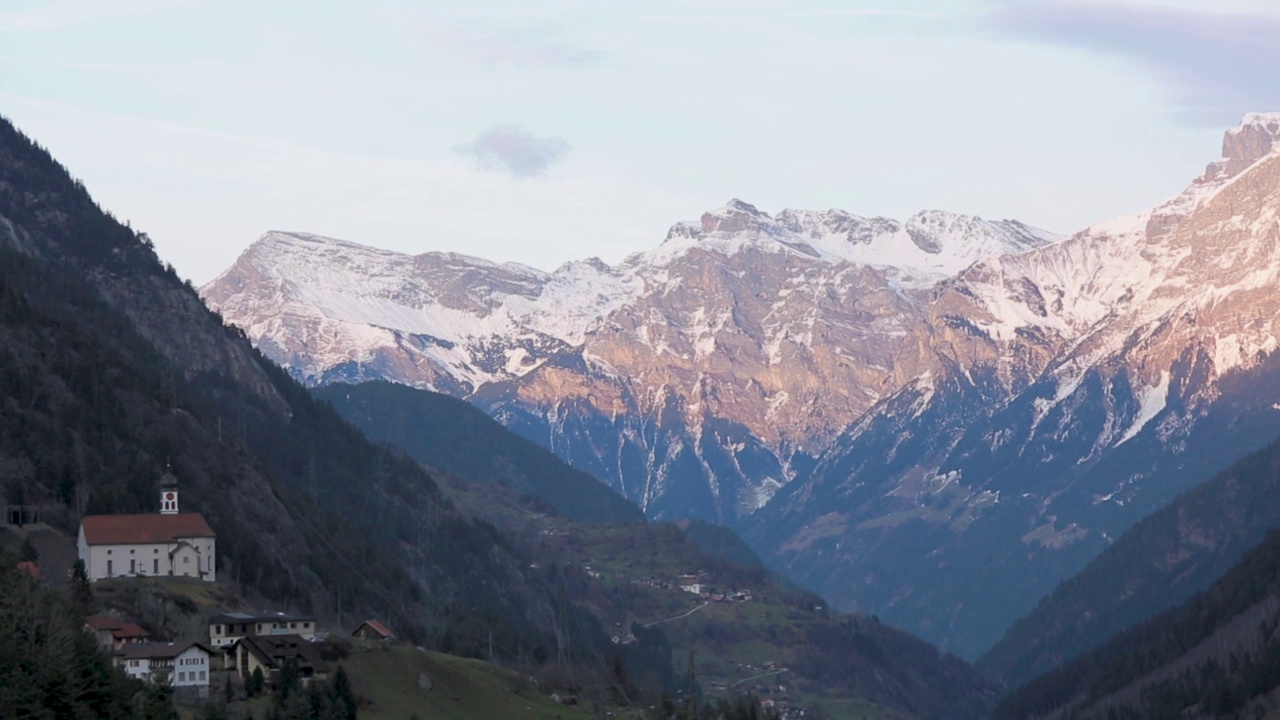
227, 628
112, 634
272, 653
177, 664
373, 630
163, 544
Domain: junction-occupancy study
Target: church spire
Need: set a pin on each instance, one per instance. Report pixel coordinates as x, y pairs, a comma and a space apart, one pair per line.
168, 492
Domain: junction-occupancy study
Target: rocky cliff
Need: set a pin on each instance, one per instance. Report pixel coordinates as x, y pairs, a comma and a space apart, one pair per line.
696, 378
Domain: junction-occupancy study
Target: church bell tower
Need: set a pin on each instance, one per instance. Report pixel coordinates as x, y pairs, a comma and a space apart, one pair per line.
168, 494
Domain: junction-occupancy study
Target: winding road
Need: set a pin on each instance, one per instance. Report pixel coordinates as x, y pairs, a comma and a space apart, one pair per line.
677, 617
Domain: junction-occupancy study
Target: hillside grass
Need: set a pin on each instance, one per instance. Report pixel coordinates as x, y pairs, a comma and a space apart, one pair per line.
461, 689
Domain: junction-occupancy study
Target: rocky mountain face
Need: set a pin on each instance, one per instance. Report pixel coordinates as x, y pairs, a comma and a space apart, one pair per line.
696, 379
1069, 391
935, 421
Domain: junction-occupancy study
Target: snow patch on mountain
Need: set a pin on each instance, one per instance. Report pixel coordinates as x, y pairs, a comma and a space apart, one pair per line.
928, 246
1151, 400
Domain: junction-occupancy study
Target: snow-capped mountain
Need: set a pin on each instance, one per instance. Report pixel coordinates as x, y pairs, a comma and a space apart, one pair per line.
697, 377
1069, 391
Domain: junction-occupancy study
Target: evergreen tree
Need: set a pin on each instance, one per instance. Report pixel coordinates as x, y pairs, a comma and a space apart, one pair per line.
49, 668
346, 699
157, 702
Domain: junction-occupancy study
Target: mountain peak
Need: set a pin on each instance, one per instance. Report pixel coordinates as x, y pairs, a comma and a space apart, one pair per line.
735, 216
1257, 136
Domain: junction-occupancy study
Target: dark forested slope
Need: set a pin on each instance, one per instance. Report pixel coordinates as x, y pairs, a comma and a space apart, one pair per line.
449, 434
1174, 553
111, 368
1218, 655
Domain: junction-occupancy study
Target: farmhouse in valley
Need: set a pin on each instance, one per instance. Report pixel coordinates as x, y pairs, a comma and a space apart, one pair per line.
157, 544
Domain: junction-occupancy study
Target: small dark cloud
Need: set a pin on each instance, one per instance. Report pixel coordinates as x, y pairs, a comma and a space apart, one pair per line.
512, 149
1217, 65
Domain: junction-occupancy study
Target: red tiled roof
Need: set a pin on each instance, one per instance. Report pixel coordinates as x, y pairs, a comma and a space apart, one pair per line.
129, 630
30, 568
140, 529
102, 622
377, 627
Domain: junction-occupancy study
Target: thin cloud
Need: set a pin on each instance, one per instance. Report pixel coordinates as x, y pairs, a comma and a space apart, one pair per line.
497, 48
1217, 65
514, 150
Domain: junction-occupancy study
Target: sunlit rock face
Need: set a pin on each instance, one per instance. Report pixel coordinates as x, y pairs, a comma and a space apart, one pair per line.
696, 378
1061, 395
934, 420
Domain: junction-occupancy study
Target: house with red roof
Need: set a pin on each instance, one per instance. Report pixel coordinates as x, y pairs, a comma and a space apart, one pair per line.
147, 545
373, 630
112, 634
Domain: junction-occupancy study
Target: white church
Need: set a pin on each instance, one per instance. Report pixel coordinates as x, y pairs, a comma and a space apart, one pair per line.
156, 544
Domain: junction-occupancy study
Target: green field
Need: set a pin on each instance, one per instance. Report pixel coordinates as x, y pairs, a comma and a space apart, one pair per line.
388, 677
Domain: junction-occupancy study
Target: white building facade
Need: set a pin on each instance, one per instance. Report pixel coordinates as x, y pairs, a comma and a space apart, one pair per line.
179, 665
167, 543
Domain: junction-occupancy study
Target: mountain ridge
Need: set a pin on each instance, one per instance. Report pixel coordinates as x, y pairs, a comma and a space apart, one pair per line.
1074, 389
873, 429
645, 341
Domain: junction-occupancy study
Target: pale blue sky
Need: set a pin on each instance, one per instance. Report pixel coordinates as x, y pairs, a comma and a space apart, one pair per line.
556, 130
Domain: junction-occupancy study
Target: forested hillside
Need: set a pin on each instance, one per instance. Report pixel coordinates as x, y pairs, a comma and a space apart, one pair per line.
1160, 562
745, 630
111, 368
452, 435
1218, 655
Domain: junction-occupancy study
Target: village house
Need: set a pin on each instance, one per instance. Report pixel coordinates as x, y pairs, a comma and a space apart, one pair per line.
272, 653
181, 665
373, 630
163, 544
227, 628
112, 634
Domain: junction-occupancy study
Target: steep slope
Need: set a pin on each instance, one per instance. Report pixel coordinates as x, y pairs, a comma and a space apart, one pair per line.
747, 631
110, 367
1215, 656
449, 434
1178, 551
1069, 391
696, 378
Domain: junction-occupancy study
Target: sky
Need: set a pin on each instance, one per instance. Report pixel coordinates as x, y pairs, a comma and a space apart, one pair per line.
559, 130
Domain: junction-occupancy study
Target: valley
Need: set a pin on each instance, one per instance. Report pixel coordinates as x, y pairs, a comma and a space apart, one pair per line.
785, 465
935, 421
